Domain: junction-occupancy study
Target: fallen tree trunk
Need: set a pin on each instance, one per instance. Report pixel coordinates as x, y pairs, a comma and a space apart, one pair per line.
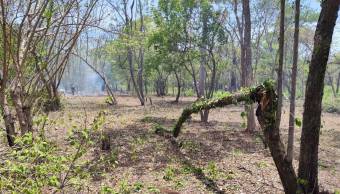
266, 98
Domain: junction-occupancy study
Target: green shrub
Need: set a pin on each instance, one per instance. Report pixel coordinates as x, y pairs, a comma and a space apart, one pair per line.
35, 164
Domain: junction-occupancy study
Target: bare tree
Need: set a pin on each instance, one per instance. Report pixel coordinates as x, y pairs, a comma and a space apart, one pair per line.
35, 53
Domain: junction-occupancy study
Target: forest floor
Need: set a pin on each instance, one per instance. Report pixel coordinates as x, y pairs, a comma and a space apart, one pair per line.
218, 155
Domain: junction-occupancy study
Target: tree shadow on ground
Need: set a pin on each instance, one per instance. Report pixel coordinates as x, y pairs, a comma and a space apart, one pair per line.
139, 147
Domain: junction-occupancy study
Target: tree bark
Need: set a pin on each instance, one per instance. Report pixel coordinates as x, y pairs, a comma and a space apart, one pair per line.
6, 113
308, 162
338, 83
280, 67
290, 146
22, 111
140, 79
248, 72
8, 120
202, 71
178, 87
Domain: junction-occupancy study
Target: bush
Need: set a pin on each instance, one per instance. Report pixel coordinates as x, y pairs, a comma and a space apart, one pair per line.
36, 165
31, 166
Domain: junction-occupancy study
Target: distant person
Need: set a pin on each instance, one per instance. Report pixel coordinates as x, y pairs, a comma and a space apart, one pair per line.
73, 90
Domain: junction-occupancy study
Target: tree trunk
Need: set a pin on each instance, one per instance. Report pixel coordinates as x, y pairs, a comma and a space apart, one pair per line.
202, 72
308, 163
290, 146
19, 106
178, 87
248, 72
140, 79
338, 83
6, 113
280, 67
8, 120
128, 85
132, 75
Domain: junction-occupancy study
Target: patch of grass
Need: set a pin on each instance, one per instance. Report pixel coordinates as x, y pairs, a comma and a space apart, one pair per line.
261, 164
229, 176
153, 189
169, 173
107, 190
147, 119
190, 145
124, 187
212, 170
140, 140
237, 152
179, 184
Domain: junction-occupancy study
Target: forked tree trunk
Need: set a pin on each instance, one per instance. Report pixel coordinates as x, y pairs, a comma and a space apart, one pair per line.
308, 162
290, 146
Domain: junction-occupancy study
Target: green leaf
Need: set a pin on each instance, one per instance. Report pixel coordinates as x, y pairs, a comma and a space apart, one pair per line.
298, 122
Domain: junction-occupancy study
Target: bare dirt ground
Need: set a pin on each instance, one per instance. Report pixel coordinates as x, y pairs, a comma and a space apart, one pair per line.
218, 156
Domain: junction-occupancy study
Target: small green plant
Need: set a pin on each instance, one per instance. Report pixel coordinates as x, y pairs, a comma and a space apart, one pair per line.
107, 190
229, 176
212, 170
261, 164
298, 122
124, 187
109, 100
169, 173
243, 116
35, 163
179, 184
190, 145
138, 186
153, 189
